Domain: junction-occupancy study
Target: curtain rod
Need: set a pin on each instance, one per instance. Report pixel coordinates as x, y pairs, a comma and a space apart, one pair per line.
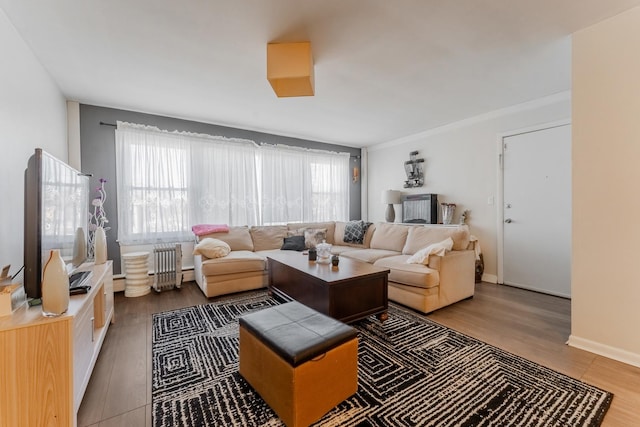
114, 125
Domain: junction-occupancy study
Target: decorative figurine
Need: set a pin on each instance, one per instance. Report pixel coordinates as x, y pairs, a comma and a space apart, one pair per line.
413, 169
463, 217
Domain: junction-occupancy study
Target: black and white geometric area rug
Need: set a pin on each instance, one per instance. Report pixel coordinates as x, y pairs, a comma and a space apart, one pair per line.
412, 372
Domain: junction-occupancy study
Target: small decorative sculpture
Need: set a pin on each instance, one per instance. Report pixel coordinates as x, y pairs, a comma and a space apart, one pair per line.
464, 216
97, 219
413, 169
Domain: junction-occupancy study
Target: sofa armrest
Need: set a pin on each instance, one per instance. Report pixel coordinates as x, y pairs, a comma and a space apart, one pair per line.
457, 275
451, 257
197, 269
434, 262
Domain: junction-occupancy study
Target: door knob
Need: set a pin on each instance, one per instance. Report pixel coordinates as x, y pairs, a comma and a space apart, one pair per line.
508, 220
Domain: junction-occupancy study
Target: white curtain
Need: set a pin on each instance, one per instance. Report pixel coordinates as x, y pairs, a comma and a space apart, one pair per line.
303, 185
224, 187
168, 181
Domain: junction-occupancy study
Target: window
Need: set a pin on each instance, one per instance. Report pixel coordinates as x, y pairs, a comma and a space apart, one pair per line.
169, 181
301, 185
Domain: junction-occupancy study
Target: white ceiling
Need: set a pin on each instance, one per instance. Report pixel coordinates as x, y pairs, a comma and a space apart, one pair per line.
384, 69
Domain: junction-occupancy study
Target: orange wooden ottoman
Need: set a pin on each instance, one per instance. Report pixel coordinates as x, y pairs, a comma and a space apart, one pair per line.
301, 362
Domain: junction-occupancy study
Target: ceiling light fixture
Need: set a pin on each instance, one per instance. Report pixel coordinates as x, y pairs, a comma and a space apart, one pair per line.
290, 69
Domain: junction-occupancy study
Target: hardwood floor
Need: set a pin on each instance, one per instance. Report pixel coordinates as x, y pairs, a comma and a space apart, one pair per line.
529, 324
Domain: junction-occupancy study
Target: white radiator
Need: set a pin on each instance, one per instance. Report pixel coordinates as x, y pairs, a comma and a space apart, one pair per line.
167, 263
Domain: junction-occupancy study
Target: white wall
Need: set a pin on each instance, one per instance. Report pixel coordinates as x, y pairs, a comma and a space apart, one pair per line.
606, 175
461, 166
32, 114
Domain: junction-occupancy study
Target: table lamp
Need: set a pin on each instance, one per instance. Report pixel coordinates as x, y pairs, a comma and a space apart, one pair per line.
390, 198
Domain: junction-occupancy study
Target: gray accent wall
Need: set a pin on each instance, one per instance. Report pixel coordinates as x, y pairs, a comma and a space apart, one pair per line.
97, 150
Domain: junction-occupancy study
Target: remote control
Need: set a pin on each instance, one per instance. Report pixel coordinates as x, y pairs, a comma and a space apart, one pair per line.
79, 290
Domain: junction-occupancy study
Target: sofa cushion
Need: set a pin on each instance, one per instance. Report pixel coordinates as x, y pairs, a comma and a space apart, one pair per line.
422, 256
339, 236
211, 248
235, 262
295, 232
390, 236
238, 238
299, 227
422, 236
368, 255
268, 237
417, 275
339, 249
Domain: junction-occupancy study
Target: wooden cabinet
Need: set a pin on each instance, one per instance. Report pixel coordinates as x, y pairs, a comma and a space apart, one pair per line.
46, 363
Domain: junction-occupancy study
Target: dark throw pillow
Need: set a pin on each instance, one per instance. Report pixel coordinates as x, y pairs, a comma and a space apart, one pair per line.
293, 243
354, 231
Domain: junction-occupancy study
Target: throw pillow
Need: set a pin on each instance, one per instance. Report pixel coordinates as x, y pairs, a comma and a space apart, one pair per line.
293, 243
354, 231
440, 248
211, 248
313, 236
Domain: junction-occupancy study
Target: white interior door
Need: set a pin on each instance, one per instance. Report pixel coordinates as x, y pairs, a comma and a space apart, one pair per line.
537, 210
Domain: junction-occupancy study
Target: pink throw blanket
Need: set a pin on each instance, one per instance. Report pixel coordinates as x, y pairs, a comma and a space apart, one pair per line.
204, 229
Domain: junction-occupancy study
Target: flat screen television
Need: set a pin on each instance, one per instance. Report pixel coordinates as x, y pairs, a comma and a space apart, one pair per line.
56, 216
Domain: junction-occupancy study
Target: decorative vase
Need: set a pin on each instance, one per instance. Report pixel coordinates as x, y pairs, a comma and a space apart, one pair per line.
100, 246
447, 212
55, 286
79, 247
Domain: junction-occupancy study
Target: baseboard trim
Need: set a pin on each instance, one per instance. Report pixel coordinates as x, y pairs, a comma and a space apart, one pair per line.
188, 276
614, 353
491, 278
118, 282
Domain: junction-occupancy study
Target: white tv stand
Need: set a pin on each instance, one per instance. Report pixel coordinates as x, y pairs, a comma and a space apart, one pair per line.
46, 363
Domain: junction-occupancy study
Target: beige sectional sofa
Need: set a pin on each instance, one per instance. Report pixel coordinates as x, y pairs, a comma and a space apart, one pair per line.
445, 280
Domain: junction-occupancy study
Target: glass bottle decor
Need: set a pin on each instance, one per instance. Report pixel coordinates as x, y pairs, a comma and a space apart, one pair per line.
100, 246
447, 212
55, 286
324, 252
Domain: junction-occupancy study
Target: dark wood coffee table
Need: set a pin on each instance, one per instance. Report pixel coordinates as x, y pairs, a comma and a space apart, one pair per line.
351, 291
